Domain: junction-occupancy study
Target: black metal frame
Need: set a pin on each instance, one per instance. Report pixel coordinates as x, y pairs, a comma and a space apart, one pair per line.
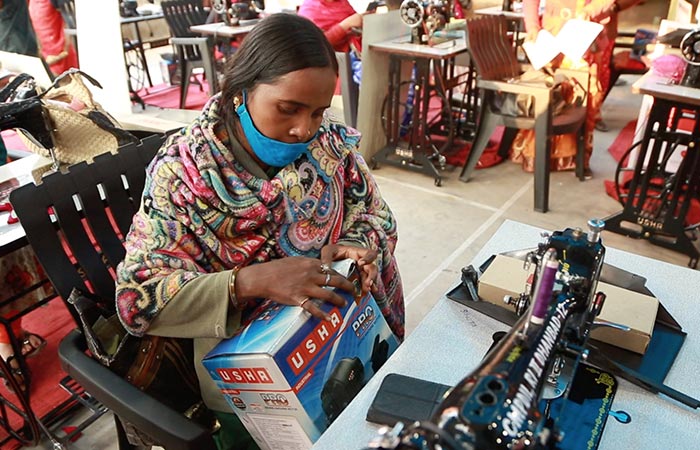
657, 202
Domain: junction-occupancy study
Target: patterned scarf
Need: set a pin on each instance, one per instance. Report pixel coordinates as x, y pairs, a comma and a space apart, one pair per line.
202, 212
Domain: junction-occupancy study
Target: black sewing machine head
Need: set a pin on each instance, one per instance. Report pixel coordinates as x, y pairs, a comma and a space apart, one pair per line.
500, 404
690, 48
425, 17
127, 8
238, 10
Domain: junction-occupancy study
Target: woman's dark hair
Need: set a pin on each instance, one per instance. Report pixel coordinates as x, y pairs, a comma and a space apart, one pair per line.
279, 44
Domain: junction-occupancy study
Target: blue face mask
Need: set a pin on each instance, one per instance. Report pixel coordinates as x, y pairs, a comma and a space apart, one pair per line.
270, 151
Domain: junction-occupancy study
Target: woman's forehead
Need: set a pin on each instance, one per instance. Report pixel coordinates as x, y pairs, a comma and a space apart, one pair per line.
303, 86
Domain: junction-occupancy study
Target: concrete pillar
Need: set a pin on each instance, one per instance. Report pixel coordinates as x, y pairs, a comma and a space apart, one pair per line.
101, 52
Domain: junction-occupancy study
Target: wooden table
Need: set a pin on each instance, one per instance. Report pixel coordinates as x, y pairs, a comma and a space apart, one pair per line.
220, 29
661, 194
430, 62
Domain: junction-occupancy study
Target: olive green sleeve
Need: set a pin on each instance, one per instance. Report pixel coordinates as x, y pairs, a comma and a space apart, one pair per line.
202, 310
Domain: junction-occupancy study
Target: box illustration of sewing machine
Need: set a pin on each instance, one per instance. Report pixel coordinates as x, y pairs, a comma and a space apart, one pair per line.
288, 375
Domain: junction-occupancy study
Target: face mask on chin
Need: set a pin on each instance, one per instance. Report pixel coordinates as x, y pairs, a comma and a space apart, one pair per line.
270, 151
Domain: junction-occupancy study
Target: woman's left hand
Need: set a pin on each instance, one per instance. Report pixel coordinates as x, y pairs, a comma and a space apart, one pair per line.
364, 258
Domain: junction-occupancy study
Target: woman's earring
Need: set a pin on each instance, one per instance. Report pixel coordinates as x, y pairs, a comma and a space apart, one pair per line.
236, 102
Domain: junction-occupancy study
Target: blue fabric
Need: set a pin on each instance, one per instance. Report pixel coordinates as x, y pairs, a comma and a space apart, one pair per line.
356, 65
270, 151
583, 414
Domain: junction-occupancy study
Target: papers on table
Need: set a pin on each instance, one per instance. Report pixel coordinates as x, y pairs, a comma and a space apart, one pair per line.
574, 38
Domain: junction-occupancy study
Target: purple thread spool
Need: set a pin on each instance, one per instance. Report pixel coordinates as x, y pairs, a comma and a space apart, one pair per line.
543, 295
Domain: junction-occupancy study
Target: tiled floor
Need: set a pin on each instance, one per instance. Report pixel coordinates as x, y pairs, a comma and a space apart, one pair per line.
441, 229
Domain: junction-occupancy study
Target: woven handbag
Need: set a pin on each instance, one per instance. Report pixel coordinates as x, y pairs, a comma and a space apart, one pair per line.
81, 128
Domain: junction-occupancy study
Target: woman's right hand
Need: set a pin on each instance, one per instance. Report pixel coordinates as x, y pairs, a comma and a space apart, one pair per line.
292, 281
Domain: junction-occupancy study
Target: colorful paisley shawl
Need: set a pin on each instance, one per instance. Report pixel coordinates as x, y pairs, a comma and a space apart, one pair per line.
202, 212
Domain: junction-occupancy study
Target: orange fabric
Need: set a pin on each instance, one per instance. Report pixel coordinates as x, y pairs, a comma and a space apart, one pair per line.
596, 62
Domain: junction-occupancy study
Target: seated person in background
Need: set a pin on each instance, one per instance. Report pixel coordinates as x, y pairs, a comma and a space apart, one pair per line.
337, 19
253, 200
596, 62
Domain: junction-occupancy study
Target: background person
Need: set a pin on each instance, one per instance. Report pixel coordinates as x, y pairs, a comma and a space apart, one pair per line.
338, 20
596, 61
250, 202
48, 25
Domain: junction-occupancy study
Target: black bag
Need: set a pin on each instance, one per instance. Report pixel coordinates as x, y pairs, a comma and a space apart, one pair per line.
159, 366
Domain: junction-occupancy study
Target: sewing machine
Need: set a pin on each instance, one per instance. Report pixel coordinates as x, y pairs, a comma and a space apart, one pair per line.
238, 12
507, 401
425, 17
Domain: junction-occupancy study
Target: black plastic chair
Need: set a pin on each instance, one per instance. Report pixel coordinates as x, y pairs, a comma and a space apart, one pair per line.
193, 50
76, 222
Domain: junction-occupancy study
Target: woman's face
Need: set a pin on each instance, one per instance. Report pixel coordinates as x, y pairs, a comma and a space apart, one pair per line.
291, 109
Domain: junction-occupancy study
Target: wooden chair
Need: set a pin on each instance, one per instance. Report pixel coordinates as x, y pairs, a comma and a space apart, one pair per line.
76, 222
498, 72
193, 50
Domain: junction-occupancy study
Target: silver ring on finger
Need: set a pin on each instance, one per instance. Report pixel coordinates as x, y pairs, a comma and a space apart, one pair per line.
328, 280
325, 269
304, 302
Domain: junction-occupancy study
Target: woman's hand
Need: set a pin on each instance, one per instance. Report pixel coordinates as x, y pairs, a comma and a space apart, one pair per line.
354, 21
292, 281
363, 257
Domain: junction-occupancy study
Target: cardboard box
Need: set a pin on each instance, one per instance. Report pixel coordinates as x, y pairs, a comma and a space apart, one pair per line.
506, 276
288, 375
637, 311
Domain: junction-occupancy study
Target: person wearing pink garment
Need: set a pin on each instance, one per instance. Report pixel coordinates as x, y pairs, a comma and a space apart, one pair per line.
338, 20
58, 52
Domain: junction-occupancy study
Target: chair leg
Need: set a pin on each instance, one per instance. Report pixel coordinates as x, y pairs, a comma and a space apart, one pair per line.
581, 153
209, 69
486, 127
185, 83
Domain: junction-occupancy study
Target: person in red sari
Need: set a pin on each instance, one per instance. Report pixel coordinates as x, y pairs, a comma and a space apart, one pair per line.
338, 20
58, 52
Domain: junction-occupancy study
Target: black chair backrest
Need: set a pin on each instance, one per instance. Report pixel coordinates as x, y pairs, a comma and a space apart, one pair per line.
180, 16
76, 221
491, 49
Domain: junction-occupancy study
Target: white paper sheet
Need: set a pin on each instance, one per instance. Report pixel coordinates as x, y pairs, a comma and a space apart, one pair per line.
574, 38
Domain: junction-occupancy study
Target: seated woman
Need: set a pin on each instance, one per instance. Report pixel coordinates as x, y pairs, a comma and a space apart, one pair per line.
338, 20
252, 201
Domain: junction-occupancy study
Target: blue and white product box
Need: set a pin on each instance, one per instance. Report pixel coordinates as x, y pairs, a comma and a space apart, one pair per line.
288, 375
